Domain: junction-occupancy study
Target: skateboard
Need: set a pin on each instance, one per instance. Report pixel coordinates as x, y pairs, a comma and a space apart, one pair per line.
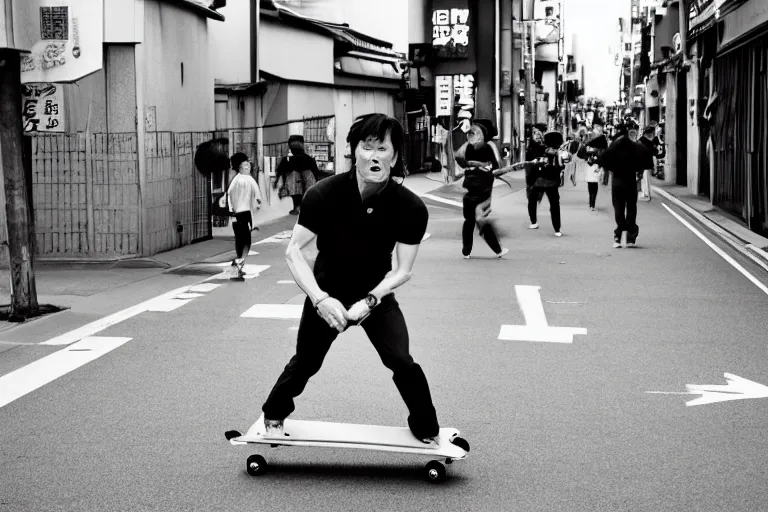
346, 435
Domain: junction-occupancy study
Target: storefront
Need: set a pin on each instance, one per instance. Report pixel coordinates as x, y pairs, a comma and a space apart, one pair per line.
738, 111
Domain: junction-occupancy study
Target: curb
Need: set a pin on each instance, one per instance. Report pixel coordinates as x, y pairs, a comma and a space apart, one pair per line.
757, 255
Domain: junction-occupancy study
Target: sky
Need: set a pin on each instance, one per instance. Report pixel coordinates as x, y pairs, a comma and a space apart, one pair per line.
366, 16
595, 26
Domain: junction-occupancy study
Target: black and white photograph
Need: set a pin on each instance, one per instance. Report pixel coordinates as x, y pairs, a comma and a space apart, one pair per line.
400, 256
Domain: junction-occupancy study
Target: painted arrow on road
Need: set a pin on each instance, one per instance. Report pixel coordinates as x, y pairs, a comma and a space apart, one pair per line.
536, 328
738, 388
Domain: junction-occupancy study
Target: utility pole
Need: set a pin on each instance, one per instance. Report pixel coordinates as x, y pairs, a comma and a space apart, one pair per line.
18, 215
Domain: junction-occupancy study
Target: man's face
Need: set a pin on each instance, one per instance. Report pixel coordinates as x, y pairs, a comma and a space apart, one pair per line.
245, 167
374, 159
475, 136
598, 130
632, 134
536, 135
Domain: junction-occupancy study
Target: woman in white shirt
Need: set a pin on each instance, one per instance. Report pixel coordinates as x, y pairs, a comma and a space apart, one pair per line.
244, 200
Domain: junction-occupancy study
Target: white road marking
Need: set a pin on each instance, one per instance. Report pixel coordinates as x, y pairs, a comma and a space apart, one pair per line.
203, 287
110, 320
287, 281
188, 295
738, 388
719, 251
28, 378
275, 311
167, 305
294, 328
536, 328
281, 237
442, 200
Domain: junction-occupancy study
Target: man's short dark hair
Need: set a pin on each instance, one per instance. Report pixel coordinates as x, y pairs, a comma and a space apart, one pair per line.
649, 130
378, 126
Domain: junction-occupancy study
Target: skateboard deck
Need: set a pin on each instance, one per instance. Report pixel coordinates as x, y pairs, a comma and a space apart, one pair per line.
346, 435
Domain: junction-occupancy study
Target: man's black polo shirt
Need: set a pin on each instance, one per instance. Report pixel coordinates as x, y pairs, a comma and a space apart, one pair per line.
355, 239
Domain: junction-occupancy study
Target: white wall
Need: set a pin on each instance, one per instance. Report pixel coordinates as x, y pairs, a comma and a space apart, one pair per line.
173, 36
230, 43
302, 55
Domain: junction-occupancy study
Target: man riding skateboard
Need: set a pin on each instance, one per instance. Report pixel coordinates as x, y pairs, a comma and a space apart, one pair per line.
358, 218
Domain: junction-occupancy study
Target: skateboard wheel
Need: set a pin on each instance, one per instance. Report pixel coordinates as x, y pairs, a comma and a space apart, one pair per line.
461, 443
256, 465
435, 471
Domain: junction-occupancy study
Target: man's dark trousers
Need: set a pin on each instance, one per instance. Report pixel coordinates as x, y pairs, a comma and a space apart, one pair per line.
388, 333
624, 195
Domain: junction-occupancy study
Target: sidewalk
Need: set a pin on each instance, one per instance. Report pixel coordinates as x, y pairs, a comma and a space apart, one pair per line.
80, 285
730, 229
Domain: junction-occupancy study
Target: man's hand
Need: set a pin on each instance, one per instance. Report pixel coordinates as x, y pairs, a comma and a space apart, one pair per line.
358, 311
334, 313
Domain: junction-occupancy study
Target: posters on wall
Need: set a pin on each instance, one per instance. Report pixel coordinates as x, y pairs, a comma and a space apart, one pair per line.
450, 28
42, 108
62, 39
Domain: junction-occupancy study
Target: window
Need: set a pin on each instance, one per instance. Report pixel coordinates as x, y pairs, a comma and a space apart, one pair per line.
549, 12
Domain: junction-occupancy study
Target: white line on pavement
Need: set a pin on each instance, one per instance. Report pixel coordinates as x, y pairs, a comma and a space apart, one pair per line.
110, 320
28, 378
442, 200
276, 311
719, 251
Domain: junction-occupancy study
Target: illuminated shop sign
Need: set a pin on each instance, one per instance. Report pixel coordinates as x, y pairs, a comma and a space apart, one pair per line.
450, 29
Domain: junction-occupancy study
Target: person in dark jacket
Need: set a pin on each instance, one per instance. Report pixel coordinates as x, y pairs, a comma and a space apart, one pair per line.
296, 173
481, 168
625, 159
544, 177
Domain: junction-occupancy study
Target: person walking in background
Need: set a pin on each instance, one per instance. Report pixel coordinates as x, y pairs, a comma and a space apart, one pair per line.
295, 173
480, 161
244, 200
590, 152
653, 144
544, 175
625, 159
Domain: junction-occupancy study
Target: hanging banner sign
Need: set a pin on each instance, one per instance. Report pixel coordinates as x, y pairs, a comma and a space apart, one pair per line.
444, 95
450, 28
42, 108
62, 39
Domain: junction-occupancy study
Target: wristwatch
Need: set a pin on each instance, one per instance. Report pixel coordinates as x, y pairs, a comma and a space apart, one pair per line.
371, 301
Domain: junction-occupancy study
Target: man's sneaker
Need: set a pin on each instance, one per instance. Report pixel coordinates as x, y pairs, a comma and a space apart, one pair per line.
504, 251
434, 440
273, 428
631, 245
467, 256
616, 243
558, 233
533, 226
592, 209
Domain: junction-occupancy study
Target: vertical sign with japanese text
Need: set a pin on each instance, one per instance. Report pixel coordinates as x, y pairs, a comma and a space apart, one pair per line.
444, 95
450, 29
42, 108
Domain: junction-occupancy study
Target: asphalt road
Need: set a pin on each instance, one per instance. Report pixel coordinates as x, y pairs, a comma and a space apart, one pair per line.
553, 426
